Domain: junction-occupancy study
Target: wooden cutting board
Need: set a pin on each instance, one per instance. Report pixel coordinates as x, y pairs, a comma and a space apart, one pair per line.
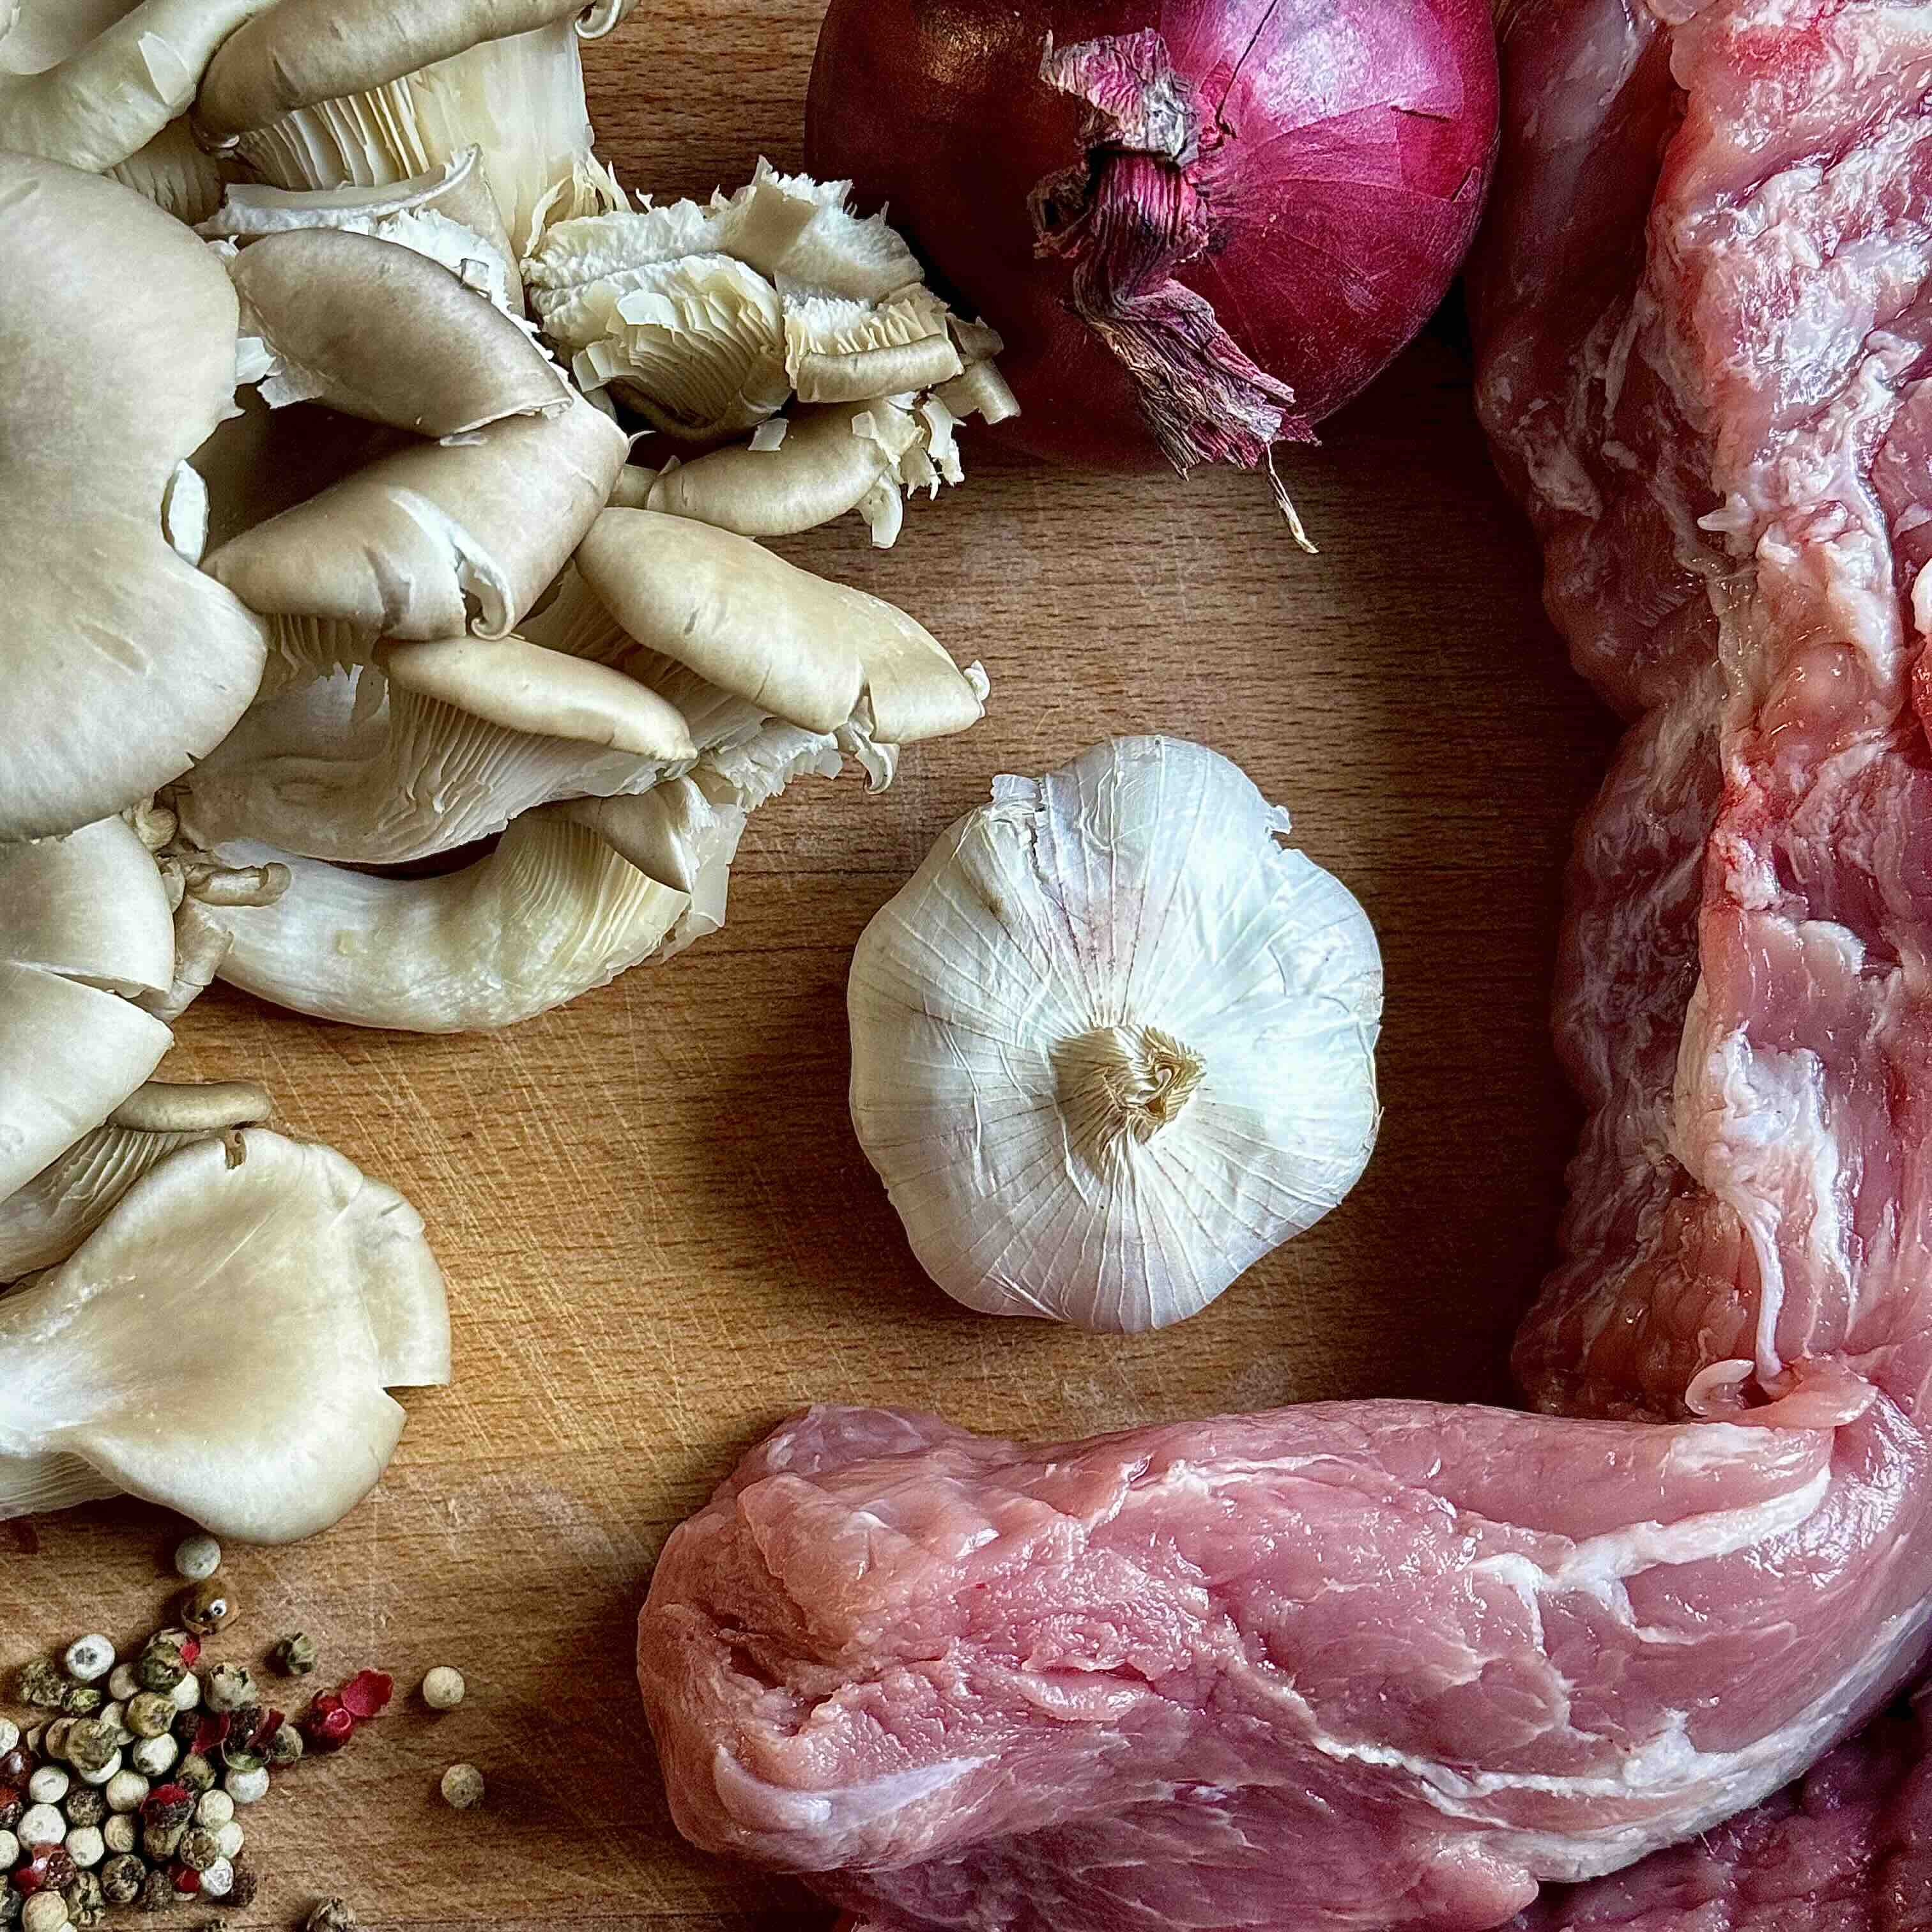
659, 1233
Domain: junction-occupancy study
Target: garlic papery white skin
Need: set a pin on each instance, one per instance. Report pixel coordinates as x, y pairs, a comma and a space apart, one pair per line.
1114, 1041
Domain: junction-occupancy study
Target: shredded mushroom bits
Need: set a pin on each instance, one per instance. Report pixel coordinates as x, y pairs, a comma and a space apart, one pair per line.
367, 575
1114, 1041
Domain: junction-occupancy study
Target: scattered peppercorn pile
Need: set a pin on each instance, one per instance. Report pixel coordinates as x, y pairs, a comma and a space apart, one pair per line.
128, 1795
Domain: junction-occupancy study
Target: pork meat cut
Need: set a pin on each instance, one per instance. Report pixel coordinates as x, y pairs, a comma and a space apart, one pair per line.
1398, 1665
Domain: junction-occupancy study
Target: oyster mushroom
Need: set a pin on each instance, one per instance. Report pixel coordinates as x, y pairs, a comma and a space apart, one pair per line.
121, 662
469, 733
446, 213
93, 82
43, 1222
434, 537
320, 93
332, 309
552, 912
803, 649
85, 932
222, 1343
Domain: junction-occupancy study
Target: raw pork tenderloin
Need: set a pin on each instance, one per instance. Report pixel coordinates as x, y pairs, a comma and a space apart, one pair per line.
1397, 1665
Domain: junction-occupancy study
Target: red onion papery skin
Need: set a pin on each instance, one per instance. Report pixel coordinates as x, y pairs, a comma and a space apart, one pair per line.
1345, 148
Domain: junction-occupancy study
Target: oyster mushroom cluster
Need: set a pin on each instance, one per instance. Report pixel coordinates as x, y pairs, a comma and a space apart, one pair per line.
351, 660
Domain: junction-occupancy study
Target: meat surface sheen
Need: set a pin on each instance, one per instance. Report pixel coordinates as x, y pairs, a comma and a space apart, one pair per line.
1399, 1665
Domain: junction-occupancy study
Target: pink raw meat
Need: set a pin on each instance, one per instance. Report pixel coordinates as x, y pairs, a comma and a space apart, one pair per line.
1397, 1665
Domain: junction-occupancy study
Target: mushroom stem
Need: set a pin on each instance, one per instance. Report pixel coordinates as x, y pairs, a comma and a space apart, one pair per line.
201, 944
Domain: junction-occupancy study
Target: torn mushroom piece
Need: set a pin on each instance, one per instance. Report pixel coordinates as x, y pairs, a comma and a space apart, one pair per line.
446, 214
94, 83
799, 647
122, 663
551, 912
463, 735
247, 1305
324, 94
43, 1222
85, 935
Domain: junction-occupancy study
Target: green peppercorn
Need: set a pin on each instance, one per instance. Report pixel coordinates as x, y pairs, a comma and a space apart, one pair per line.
43, 1687
236, 1756
158, 1893
228, 1687
198, 1850
86, 1904
285, 1747
121, 1879
196, 1772
149, 1714
82, 1700
161, 1839
159, 1669
91, 1746
295, 1656
331, 1915
209, 1606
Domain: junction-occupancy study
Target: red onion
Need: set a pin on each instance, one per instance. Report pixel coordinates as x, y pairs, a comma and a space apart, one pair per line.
1200, 225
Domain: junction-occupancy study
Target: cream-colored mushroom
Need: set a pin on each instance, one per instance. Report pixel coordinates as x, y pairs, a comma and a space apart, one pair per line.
469, 734
375, 330
222, 1343
436, 537
447, 213
801, 648
839, 349
326, 93
85, 932
43, 1222
121, 662
552, 912
91, 82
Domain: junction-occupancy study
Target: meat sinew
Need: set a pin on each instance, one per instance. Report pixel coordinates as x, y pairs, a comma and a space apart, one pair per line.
1394, 1664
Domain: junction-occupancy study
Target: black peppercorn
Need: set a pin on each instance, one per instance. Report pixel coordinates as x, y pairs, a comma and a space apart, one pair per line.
331, 1915
243, 1890
186, 1727
158, 1893
294, 1656
12, 1806
121, 1879
10, 1903
86, 1903
198, 1850
86, 1805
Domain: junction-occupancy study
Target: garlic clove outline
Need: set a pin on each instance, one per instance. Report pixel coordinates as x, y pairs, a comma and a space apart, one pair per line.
1114, 1041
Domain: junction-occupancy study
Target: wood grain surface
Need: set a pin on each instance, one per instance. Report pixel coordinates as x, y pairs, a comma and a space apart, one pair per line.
659, 1233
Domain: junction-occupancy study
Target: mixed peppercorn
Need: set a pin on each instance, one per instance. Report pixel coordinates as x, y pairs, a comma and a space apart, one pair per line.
124, 1791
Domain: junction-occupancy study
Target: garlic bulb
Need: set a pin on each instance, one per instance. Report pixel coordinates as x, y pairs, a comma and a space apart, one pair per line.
1113, 1042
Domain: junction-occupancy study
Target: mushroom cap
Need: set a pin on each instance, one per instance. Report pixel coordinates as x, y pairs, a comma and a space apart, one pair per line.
242, 1321
523, 687
378, 331
85, 929
121, 662
408, 546
306, 51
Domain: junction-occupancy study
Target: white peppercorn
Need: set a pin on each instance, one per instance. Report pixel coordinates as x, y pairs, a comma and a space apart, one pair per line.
126, 1791
88, 1657
40, 1825
229, 1838
213, 1809
186, 1694
197, 1558
122, 1683
103, 1772
247, 1787
462, 1787
218, 1881
48, 1785
155, 1757
442, 1689
45, 1912
121, 1834
9, 1851
86, 1846
10, 1736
